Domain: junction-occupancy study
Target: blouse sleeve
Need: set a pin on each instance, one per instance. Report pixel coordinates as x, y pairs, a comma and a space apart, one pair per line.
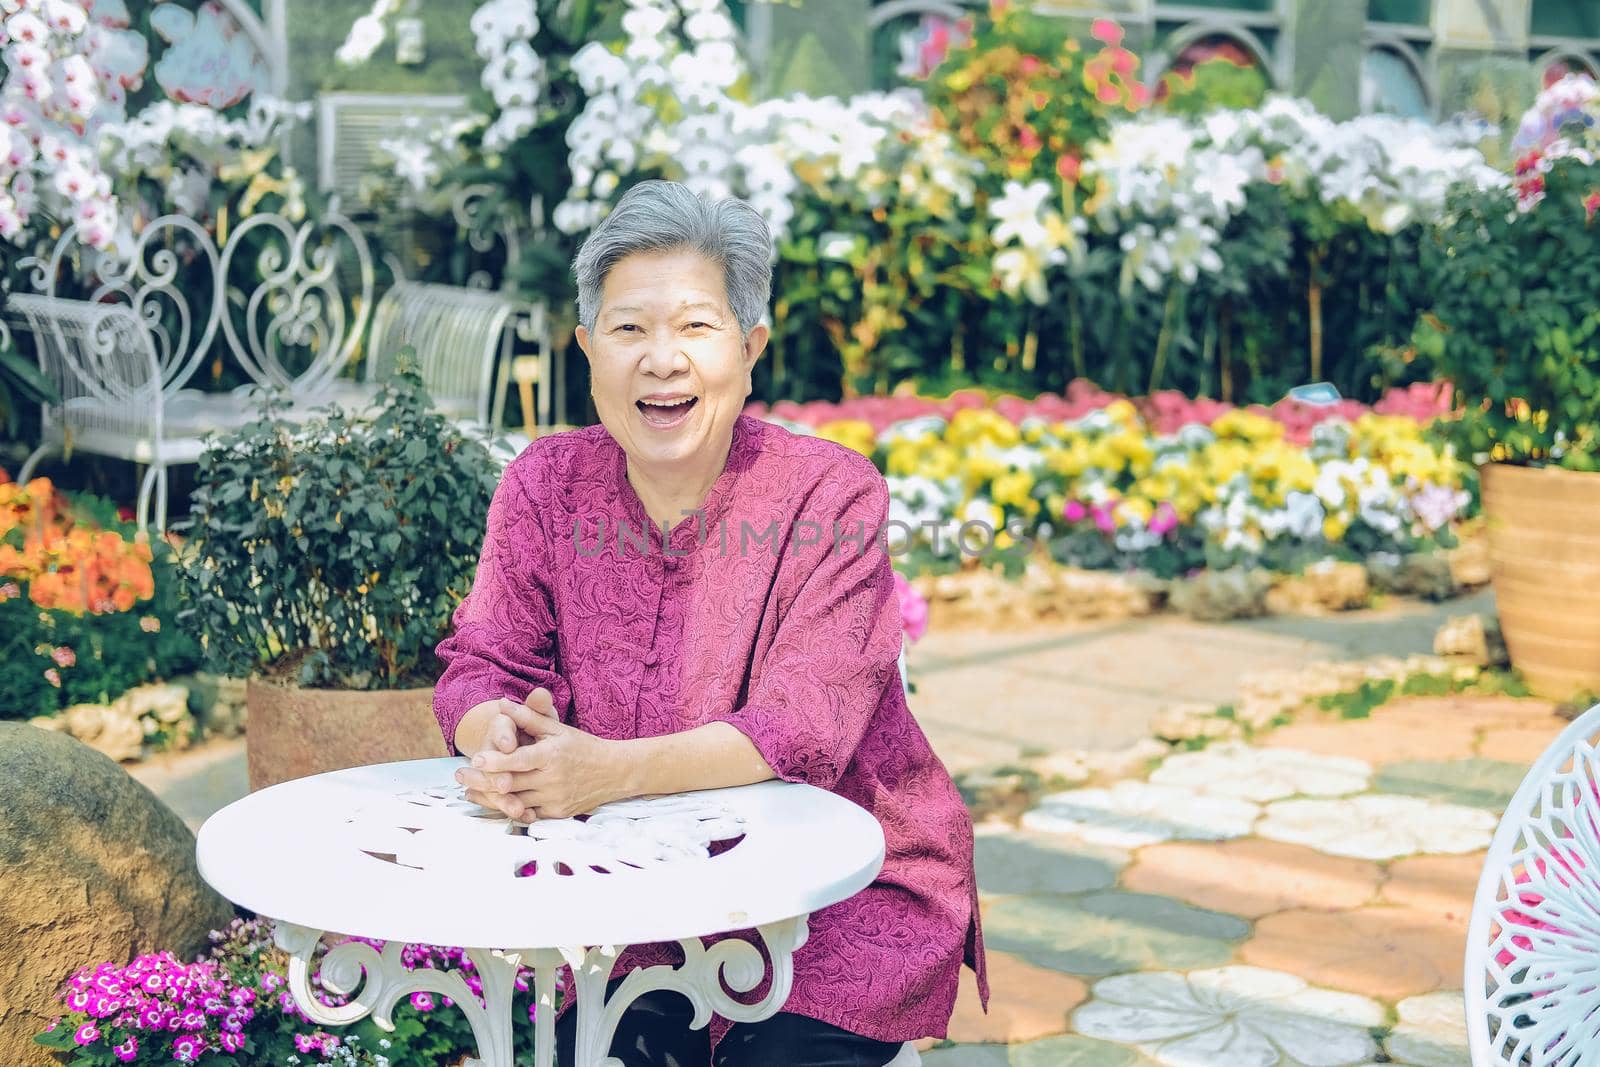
504, 639
837, 647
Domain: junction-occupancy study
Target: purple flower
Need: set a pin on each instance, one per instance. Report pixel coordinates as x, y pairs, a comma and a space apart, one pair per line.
152, 1018
1074, 511
232, 1042
188, 1048
242, 996
193, 1019
127, 1050
422, 1001
1105, 519
305, 1042
154, 982
78, 1002
87, 1034
1164, 521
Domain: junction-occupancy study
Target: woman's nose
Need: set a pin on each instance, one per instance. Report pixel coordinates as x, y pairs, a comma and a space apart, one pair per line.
665, 357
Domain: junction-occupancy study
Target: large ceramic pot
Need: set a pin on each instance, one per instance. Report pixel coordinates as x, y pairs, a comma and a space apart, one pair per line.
1544, 555
292, 732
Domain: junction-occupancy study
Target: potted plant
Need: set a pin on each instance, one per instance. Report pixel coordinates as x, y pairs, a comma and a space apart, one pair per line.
324, 559
1515, 327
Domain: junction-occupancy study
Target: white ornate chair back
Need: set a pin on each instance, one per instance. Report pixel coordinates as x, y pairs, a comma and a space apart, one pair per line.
1532, 975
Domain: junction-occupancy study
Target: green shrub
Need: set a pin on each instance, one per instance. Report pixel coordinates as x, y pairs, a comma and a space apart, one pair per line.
333, 551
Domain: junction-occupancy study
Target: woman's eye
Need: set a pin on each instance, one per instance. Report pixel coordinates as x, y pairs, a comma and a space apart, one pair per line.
625, 327
699, 326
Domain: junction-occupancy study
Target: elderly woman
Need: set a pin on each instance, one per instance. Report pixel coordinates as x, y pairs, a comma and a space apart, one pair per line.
685, 597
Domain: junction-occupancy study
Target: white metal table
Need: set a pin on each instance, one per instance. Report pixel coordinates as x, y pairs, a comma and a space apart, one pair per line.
399, 855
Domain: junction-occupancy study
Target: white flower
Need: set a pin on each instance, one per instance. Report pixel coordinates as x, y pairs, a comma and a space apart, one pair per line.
1262, 774
598, 69
1018, 211
498, 23
365, 35
1240, 1016
1134, 814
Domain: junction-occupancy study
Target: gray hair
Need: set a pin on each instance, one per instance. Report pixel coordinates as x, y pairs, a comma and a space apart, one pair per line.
661, 216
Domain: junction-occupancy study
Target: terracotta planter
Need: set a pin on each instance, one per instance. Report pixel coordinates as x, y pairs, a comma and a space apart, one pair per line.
1544, 555
292, 732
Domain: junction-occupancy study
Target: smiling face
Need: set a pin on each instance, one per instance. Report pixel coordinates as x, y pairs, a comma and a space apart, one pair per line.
668, 368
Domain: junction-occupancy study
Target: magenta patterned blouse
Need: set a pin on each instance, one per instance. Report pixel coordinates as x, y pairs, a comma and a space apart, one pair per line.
773, 609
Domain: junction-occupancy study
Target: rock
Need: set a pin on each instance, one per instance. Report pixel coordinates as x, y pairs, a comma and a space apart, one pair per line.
979, 596
106, 729
1469, 561
1421, 574
1068, 767
1191, 722
1327, 585
219, 703
1125, 762
1473, 640
1215, 596
96, 869
1463, 637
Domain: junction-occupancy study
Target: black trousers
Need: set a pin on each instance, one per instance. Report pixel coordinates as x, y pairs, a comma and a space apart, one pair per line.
654, 1032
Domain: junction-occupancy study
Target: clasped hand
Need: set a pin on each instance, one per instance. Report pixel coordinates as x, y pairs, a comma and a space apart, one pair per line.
534, 766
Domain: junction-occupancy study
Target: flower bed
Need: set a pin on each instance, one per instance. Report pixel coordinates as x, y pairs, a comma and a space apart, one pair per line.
1164, 485
234, 1006
87, 619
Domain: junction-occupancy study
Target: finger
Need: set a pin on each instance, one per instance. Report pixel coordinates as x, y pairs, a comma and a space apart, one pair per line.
503, 733
512, 783
525, 758
535, 723
483, 781
511, 807
541, 701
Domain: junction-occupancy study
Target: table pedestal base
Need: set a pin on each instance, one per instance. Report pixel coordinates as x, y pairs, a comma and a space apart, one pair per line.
705, 977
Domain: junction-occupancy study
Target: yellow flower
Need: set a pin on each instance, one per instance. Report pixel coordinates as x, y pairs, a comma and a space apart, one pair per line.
1123, 413
1014, 489
1137, 508
1334, 527
1247, 426
1068, 460
854, 434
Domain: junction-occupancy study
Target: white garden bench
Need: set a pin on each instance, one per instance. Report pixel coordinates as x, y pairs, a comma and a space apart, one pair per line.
295, 322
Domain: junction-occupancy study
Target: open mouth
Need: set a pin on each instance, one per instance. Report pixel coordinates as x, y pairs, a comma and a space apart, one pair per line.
666, 412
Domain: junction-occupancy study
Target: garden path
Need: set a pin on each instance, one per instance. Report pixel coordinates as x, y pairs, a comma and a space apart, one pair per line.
986, 698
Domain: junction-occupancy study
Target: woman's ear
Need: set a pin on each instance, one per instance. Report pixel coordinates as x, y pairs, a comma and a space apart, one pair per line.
582, 337
755, 343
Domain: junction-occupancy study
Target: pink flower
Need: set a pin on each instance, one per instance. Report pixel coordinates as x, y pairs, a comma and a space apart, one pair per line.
1164, 521
1106, 31
420, 1001
1105, 518
87, 1034
1074, 511
127, 1050
189, 1048
53, 676
64, 656
913, 609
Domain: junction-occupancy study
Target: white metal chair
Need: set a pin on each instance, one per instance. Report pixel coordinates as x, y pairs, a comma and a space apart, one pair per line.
462, 339
1532, 975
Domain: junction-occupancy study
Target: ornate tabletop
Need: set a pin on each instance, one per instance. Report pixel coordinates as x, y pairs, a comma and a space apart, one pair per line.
395, 852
